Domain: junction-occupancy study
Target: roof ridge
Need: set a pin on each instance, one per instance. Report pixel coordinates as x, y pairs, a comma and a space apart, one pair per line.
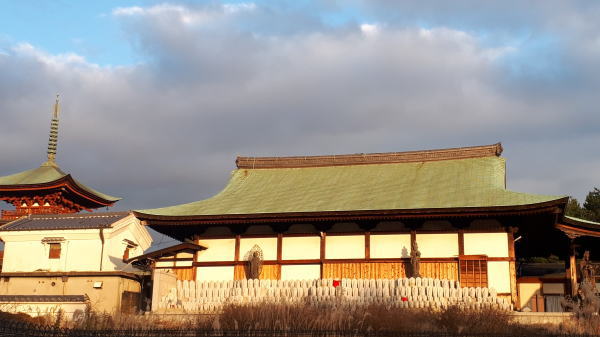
370, 158
76, 216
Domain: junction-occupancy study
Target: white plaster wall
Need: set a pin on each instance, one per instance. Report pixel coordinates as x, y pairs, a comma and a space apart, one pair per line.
130, 229
82, 255
345, 247
25, 256
526, 292
80, 250
490, 244
438, 245
301, 272
268, 246
183, 263
184, 255
114, 247
218, 250
301, 248
26, 253
390, 245
223, 273
499, 276
162, 282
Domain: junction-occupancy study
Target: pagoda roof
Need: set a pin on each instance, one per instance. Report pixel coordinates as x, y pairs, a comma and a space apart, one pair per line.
48, 175
424, 181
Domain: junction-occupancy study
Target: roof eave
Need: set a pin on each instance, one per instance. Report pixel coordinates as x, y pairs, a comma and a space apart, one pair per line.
574, 227
169, 250
66, 181
549, 206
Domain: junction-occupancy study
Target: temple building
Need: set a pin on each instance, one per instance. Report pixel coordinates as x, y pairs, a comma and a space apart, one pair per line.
47, 189
363, 216
54, 258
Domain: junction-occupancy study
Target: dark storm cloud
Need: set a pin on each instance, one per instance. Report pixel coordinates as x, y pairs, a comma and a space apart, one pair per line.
218, 83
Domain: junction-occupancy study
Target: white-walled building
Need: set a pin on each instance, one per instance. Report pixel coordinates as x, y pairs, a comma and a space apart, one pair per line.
74, 254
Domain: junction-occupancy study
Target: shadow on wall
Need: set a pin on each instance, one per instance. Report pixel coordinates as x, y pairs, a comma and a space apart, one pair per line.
118, 263
405, 253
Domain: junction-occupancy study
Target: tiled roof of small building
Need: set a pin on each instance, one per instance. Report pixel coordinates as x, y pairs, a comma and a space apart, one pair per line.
42, 298
64, 221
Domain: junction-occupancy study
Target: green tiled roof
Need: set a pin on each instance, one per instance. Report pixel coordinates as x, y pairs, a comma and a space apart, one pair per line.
452, 183
46, 173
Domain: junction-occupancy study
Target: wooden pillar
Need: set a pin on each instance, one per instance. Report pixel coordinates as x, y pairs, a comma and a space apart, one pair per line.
367, 245
322, 255
413, 238
573, 268
195, 257
461, 242
279, 247
512, 267
237, 248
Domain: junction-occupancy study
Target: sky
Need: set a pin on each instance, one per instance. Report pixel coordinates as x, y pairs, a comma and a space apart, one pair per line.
159, 97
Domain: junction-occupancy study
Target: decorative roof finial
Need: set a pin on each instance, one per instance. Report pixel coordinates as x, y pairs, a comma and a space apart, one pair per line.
53, 139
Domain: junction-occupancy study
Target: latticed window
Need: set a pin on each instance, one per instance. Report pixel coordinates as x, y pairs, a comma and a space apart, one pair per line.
54, 251
473, 271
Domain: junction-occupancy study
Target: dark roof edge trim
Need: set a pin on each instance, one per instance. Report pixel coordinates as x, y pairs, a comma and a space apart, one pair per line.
370, 158
574, 227
167, 251
66, 181
548, 206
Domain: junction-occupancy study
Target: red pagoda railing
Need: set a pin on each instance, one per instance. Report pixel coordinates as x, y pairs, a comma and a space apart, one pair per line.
15, 214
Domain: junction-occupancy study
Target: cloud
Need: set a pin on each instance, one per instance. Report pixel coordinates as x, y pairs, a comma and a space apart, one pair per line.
183, 14
217, 83
369, 29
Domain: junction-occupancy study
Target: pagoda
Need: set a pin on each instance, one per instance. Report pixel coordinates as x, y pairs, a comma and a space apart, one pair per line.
47, 189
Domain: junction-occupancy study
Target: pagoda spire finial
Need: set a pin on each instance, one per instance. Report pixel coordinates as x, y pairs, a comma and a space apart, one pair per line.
53, 139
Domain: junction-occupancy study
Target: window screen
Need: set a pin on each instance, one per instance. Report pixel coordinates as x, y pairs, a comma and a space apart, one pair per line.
54, 251
473, 271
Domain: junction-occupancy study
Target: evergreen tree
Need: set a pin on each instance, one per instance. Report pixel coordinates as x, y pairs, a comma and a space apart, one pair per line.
592, 205
574, 209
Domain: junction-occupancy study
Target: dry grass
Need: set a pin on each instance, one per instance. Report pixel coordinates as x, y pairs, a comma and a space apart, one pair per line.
90, 320
586, 309
305, 318
370, 319
24, 318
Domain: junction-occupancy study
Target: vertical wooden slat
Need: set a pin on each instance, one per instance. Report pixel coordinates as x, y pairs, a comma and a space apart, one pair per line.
461, 242
389, 270
239, 272
184, 274
513, 269
237, 248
